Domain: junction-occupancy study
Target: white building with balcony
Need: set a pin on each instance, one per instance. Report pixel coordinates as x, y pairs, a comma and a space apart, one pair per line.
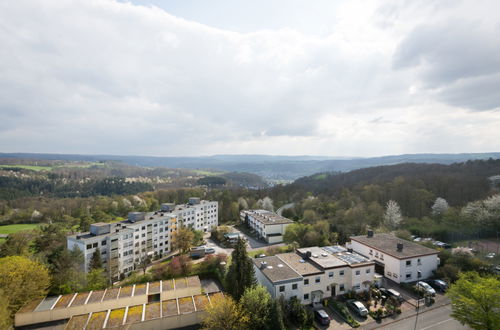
267, 225
198, 214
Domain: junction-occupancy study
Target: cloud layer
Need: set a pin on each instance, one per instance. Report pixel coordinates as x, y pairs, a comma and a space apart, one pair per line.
119, 78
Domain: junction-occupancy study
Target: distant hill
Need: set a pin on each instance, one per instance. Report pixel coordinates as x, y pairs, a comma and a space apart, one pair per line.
458, 183
269, 167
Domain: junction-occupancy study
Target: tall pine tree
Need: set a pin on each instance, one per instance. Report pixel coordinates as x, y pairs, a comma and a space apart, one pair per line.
96, 261
240, 275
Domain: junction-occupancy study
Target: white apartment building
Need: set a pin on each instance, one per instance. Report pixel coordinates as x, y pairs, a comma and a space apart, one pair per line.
199, 214
123, 245
312, 274
268, 225
397, 259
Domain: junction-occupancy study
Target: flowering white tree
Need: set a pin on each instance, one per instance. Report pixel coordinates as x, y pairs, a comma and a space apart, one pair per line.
392, 216
440, 206
266, 203
242, 203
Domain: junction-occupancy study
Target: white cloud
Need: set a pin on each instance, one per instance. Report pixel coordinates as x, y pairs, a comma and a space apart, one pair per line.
108, 77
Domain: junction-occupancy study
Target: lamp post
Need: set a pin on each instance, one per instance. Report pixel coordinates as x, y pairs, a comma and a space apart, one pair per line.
418, 308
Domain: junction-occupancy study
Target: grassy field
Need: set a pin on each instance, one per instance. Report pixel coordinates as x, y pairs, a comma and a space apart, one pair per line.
30, 167
9, 229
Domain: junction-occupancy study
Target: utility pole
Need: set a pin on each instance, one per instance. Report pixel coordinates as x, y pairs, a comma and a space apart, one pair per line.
418, 308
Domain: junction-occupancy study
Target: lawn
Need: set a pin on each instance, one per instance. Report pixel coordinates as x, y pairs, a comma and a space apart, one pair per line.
10, 229
29, 167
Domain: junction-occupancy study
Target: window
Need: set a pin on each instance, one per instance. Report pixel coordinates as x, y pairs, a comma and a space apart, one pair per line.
408, 263
282, 288
358, 272
368, 270
143, 235
143, 227
341, 273
294, 286
381, 256
371, 252
89, 246
341, 287
419, 274
330, 274
317, 280
94, 245
419, 262
356, 287
408, 276
103, 243
306, 281
389, 274
306, 296
395, 275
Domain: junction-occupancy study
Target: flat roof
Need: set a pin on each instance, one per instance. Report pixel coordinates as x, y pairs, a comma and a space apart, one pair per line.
387, 244
321, 257
301, 266
275, 269
82, 298
267, 218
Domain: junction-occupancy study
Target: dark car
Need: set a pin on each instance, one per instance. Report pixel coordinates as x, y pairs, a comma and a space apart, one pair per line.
322, 317
391, 293
439, 285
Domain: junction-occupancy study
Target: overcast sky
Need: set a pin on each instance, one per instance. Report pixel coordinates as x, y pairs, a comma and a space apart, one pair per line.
288, 77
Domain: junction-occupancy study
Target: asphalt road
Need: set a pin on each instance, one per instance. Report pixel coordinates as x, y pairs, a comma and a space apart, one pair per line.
434, 319
284, 207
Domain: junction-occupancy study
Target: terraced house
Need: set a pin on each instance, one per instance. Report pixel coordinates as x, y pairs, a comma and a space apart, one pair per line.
314, 273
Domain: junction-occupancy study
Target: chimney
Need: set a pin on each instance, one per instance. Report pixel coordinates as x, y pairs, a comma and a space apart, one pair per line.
400, 247
263, 265
370, 233
308, 254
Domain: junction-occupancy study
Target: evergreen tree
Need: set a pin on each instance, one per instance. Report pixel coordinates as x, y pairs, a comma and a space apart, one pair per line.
276, 316
240, 275
96, 261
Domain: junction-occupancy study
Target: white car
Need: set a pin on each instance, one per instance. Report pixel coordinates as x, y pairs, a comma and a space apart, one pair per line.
491, 255
422, 286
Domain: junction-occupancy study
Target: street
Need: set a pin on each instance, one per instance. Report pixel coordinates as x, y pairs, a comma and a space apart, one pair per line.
438, 318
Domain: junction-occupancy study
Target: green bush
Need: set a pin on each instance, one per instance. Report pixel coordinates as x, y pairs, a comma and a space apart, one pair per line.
342, 310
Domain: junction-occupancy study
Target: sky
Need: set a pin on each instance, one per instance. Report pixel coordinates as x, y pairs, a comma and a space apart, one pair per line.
283, 77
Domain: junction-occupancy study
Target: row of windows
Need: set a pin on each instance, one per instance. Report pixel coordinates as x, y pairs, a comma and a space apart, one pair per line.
409, 262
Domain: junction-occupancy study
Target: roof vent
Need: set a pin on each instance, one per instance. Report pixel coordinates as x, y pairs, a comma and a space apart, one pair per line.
370, 233
302, 261
314, 255
263, 265
324, 255
400, 247
269, 267
280, 265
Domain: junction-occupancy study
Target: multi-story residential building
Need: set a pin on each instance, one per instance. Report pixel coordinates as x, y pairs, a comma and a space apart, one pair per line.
198, 214
123, 245
314, 273
397, 259
268, 225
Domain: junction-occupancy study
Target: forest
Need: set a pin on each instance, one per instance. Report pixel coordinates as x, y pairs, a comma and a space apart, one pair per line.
446, 202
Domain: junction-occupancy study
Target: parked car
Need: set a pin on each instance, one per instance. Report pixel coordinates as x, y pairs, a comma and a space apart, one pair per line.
262, 255
491, 255
209, 250
322, 317
425, 288
357, 307
395, 294
197, 252
439, 285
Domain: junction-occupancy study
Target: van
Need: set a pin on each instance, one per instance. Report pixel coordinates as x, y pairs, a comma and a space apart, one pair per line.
395, 294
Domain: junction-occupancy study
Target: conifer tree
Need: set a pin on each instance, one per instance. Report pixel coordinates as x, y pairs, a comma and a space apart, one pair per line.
96, 261
240, 275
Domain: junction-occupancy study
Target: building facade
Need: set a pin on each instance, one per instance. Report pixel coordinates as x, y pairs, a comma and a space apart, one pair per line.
312, 274
123, 245
197, 214
267, 225
397, 259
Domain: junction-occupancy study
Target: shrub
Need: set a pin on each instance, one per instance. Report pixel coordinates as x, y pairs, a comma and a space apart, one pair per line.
342, 310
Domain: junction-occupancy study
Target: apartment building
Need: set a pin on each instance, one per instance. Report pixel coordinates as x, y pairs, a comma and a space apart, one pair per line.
314, 273
397, 259
199, 214
268, 225
123, 245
